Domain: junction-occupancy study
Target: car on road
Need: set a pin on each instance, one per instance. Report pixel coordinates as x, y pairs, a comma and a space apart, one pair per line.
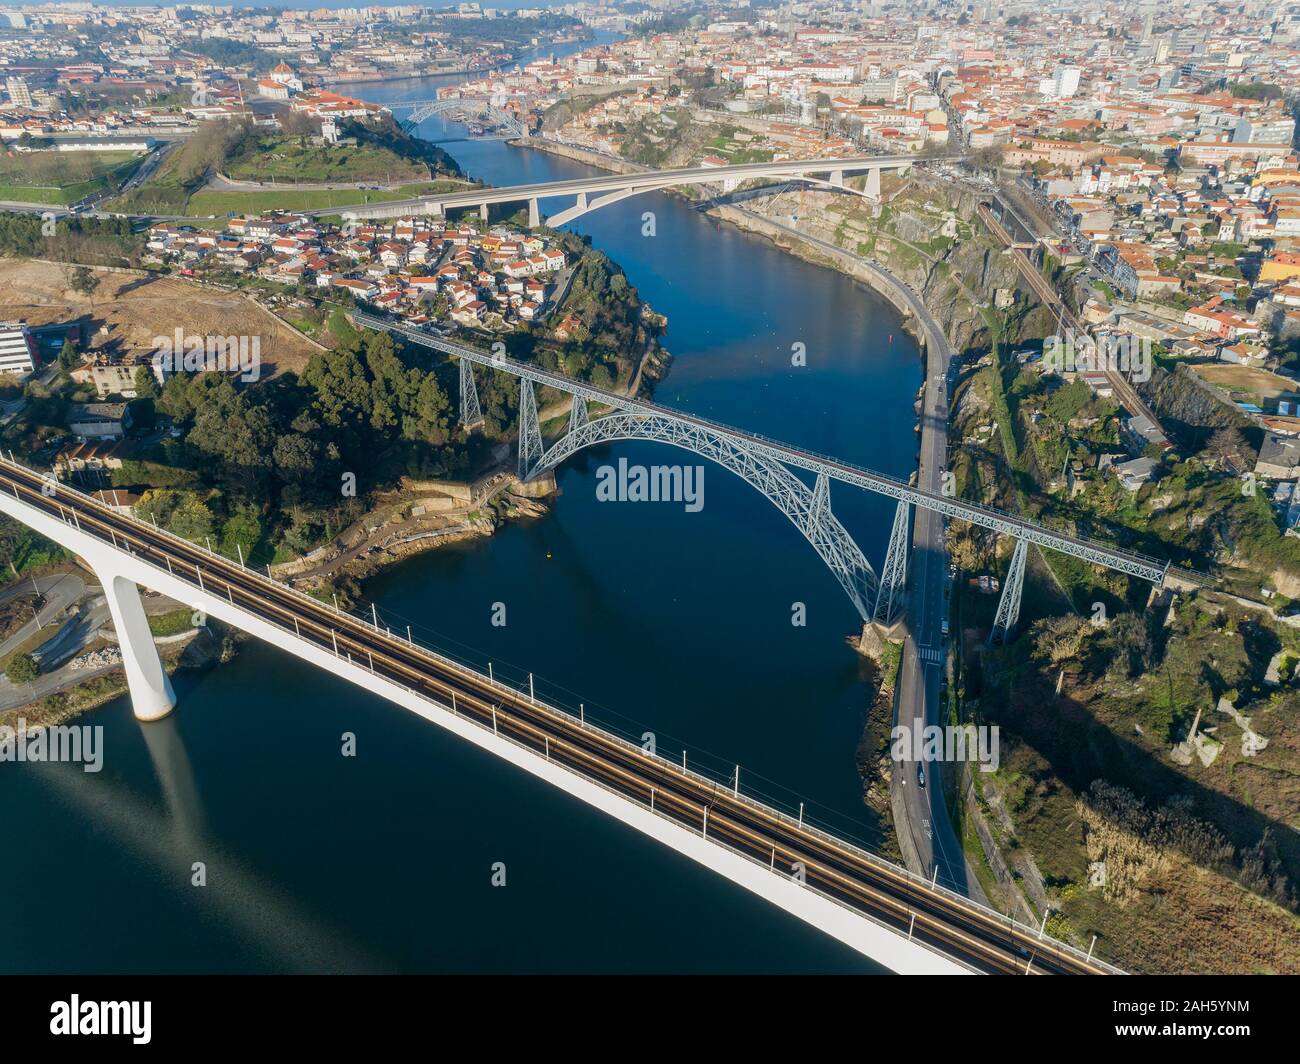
920, 774
944, 626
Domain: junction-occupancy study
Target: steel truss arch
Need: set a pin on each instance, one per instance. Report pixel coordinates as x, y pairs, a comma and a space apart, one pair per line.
476, 108
807, 510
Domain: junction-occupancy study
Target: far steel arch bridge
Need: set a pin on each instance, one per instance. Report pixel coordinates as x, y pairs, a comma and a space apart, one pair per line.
470, 107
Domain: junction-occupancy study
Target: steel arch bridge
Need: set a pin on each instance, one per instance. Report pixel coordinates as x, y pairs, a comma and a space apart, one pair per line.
807, 508
422, 109
766, 464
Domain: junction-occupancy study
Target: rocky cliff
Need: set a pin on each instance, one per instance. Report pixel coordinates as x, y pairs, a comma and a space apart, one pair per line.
926, 233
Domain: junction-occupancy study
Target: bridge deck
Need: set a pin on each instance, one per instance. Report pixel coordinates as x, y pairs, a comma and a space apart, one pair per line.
852, 878
641, 179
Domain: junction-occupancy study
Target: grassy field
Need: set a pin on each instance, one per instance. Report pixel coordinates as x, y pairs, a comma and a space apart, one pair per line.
221, 203
245, 154
63, 177
735, 152
173, 623
1248, 380
181, 173
285, 159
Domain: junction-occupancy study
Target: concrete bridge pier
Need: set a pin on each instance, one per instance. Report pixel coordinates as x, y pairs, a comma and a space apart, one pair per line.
483, 211
873, 183
152, 697
534, 214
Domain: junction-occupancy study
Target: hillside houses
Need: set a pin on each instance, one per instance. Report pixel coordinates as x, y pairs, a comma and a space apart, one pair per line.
410, 266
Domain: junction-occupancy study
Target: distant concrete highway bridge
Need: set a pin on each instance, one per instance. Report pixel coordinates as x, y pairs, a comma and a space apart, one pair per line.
592, 193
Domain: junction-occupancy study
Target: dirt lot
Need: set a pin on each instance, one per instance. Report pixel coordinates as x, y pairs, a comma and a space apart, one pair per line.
136, 309
1248, 379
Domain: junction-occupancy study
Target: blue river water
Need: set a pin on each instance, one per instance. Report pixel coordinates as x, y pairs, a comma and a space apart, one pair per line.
654, 618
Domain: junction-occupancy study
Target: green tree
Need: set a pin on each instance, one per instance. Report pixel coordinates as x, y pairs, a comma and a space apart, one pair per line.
144, 415
22, 668
146, 384
69, 359
296, 458
191, 519
243, 528
430, 416
85, 281
12, 541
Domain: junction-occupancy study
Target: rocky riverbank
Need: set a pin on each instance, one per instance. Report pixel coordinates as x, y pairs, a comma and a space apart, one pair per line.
105, 678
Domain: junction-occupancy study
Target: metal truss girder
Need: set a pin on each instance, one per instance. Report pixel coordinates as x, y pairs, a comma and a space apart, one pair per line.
893, 577
530, 431
470, 413
821, 497
1009, 604
429, 108
578, 413
787, 492
1150, 569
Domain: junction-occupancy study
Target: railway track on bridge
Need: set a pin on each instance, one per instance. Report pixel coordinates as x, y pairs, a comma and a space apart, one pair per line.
873, 888
1050, 298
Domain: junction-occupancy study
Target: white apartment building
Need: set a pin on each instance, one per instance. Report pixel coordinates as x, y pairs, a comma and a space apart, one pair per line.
1063, 84
19, 94
1275, 129
16, 348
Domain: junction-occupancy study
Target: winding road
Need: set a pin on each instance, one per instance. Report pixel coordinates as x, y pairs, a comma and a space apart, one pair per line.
927, 838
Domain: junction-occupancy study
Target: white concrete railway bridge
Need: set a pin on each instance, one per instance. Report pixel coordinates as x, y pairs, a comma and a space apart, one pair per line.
903, 921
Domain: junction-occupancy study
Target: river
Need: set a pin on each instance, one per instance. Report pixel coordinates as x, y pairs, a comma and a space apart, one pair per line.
654, 618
